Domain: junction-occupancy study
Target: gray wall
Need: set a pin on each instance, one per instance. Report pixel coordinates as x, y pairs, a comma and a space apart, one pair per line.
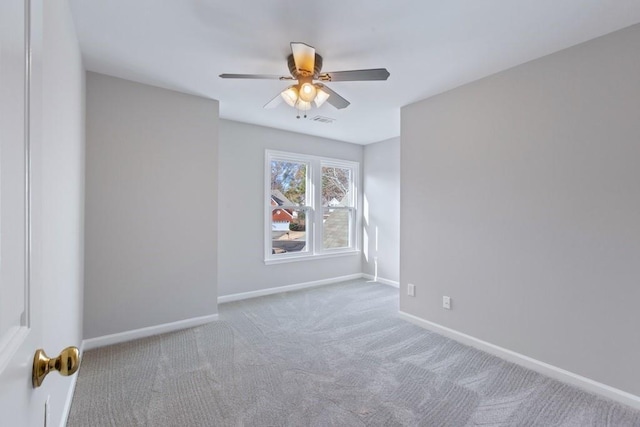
520, 200
62, 186
242, 151
151, 206
381, 216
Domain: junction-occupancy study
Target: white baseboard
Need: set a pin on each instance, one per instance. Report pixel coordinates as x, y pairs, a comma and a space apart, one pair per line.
135, 334
72, 389
554, 372
280, 289
381, 280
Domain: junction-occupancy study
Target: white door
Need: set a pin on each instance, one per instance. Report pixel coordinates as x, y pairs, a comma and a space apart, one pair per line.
20, 311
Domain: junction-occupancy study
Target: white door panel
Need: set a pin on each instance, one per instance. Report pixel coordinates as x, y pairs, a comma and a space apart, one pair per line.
20, 322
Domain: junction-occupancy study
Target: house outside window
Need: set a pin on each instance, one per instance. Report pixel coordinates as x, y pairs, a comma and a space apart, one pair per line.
311, 207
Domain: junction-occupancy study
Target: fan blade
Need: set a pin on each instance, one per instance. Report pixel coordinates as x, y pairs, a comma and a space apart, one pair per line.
355, 75
274, 102
305, 58
254, 76
334, 99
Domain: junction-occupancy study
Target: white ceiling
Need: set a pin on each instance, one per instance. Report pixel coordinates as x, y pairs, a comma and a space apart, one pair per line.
428, 46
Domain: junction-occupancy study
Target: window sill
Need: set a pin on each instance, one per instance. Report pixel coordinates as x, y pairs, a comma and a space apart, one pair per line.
310, 257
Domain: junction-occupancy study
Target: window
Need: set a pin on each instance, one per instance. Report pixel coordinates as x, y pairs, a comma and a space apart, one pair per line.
302, 222
338, 207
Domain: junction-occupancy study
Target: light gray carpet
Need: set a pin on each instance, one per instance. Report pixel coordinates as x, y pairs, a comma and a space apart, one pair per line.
331, 356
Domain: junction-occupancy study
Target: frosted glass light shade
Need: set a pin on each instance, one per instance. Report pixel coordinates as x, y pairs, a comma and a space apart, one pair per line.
303, 105
307, 92
290, 96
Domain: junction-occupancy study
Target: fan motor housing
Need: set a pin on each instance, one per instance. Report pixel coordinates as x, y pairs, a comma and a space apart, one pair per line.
294, 71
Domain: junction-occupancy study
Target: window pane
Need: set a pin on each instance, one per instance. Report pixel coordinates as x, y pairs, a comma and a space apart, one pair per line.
288, 230
336, 186
288, 183
336, 228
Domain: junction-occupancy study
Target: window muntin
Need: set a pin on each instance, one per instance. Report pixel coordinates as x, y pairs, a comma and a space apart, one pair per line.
311, 206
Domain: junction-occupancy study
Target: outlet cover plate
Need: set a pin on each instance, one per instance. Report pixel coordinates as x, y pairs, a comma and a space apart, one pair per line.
446, 303
411, 290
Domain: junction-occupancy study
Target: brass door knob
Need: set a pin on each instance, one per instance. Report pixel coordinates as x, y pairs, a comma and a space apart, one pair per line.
66, 363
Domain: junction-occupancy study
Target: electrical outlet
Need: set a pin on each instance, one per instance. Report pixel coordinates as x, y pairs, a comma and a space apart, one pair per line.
446, 303
411, 290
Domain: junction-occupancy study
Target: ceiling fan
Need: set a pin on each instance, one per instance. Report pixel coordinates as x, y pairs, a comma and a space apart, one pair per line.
305, 66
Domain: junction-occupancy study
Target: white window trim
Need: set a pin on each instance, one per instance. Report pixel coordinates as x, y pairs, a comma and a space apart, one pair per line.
314, 227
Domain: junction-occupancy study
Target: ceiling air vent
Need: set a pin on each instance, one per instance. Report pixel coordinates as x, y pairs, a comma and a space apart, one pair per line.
322, 119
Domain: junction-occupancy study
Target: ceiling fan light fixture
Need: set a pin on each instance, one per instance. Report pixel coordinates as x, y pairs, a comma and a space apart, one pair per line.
321, 97
307, 92
290, 95
305, 66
